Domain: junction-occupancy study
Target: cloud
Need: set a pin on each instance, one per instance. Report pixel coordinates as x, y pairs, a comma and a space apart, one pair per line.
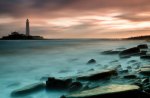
75, 18
60, 8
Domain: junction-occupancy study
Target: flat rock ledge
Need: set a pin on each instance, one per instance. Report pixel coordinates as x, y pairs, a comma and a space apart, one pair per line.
97, 75
145, 71
114, 90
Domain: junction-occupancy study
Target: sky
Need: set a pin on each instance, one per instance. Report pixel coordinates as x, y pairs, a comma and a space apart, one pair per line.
76, 18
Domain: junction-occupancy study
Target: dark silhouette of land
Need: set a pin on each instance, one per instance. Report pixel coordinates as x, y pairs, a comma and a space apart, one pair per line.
146, 37
18, 36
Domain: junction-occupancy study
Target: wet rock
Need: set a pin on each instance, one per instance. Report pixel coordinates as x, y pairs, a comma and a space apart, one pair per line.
143, 46
146, 88
53, 83
145, 66
75, 86
130, 76
28, 89
96, 75
144, 94
111, 91
92, 61
145, 80
92, 85
143, 52
145, 57
110, 52
138, 83
129, 52
145, 71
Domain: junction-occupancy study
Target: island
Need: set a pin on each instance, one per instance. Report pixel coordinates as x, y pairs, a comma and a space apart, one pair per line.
18, 36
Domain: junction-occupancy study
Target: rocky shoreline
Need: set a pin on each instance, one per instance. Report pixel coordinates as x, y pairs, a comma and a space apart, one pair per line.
112, 81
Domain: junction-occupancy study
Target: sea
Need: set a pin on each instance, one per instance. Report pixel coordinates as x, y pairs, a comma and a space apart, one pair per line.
24, 62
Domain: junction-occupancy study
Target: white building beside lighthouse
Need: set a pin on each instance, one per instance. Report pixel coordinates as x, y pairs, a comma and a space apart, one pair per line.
27, 28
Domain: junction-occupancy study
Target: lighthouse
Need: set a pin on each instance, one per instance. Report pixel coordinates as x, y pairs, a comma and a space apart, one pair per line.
27, 28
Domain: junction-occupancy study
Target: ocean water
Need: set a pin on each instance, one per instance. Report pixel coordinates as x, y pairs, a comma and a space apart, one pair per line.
26, 62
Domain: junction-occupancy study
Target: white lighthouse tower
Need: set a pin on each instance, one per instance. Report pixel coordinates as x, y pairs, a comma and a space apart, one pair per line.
27, 28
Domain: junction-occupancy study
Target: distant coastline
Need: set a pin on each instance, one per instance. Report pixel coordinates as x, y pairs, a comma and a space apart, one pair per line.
146, 37
18, 36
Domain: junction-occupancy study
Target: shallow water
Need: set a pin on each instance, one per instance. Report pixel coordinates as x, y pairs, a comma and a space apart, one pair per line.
26, 62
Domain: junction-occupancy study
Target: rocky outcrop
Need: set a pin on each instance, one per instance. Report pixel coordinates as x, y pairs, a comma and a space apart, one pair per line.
96, 75
53, 83
129, 52
145, 66
145, 71
75, 86
28, 89
92, 61
110, 52
145, 57
130, 76
111, 91
143, 46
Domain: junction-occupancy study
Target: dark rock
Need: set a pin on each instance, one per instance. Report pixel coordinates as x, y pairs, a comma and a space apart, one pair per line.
145, 80
110, 91
145, 57
53, 83
92, 85
75, 86
143, 52
110, 52
146, 88
143, 46
130, 76
129, 52
144, 95
146, 66
138, 83
28, 89
145, 71
92, 61
97, 75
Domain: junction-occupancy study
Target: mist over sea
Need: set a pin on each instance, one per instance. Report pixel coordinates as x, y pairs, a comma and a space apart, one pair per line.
29, 61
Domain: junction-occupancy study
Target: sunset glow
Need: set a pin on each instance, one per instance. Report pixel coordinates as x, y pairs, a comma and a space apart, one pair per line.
76, 18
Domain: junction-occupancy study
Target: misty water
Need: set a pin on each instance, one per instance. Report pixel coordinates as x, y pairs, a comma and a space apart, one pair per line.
26, 62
